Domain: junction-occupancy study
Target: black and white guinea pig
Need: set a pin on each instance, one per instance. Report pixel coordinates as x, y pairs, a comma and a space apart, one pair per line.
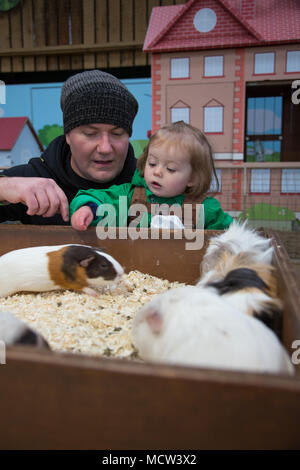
46, 268
15, 331
194, 326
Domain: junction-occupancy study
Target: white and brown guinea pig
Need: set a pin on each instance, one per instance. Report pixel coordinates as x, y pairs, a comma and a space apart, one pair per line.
46, 268
196, 327
15, 331
238, 264
238, 238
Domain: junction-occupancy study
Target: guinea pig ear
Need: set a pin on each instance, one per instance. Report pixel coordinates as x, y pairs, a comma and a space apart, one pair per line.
85, 262
154, 320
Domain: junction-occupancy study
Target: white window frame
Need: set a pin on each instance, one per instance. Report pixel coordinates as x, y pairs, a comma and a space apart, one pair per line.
180, 114
213, 119
2, 92
214, 66
264, 63
293, 61
180, 67
260, 180
290, 180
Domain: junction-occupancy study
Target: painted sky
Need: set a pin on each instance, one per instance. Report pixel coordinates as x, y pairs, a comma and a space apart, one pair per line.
40, 102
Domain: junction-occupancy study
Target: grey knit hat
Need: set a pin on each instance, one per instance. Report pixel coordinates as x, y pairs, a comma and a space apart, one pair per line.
97, 97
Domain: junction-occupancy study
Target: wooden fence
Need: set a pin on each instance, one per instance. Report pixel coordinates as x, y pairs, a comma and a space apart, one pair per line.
51, 35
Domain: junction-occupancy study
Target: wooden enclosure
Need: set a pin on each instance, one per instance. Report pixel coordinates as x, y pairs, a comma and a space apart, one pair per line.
63, 401
52, 35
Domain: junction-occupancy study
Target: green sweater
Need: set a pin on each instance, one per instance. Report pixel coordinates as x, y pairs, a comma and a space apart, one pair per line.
215, 217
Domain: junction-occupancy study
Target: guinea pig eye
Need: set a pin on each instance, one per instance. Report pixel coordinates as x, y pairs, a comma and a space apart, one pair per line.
104, 265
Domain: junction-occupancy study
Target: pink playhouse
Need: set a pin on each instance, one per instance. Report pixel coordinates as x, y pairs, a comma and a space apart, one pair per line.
232, 68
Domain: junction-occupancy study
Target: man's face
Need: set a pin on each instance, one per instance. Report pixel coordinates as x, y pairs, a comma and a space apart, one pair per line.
98, 151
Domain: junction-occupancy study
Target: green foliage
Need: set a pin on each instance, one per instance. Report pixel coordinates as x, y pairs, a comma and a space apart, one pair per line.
264, 211
275, 157
48, 133
6, 5
138, 146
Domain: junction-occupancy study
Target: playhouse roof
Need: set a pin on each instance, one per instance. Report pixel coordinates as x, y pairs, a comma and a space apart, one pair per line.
10, 129
171, 27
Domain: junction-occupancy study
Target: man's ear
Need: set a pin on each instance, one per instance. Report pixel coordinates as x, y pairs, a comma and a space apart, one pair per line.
68, 138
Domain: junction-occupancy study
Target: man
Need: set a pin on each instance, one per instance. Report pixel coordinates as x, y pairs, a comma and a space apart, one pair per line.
94, 152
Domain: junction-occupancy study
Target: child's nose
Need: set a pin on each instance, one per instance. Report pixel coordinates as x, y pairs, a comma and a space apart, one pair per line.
158, 170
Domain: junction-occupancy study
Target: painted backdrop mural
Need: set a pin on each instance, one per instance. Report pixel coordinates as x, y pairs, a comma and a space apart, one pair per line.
40, 103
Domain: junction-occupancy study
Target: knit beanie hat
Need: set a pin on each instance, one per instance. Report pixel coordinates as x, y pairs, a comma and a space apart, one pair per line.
97, 97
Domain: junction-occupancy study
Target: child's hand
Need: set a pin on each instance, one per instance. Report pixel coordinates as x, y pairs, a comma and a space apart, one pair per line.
82, 218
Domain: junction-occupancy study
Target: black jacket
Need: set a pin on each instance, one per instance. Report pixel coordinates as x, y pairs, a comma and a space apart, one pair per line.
55, 163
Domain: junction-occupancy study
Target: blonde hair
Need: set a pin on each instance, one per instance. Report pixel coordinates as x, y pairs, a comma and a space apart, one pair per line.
194, 143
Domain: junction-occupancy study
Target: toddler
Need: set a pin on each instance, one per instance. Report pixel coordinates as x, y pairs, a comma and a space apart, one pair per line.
176, 168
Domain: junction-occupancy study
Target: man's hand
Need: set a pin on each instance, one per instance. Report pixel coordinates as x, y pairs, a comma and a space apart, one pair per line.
42, 196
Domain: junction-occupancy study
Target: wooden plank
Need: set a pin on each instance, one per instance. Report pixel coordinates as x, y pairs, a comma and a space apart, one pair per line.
63, 22
40, 32
63, 33
16, 36
151, 5
166, 2
114, 14
27, 23
131, 406
5, 64
77, 33
101, 32
76, 8
88, 32
157, 3
140, 12
127, 31
72, 49
52, 32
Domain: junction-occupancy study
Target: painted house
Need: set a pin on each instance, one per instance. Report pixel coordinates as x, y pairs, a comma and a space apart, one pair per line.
232, 68
18, 141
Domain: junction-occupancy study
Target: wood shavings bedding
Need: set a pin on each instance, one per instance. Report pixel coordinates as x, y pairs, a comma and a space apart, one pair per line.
79, 323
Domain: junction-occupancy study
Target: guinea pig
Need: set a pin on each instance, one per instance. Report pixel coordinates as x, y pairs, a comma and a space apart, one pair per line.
15, 331
238, 238
196, 327
238, 264
46, 268
253, 290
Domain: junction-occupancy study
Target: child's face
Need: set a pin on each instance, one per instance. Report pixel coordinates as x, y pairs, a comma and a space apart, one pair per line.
168, 171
